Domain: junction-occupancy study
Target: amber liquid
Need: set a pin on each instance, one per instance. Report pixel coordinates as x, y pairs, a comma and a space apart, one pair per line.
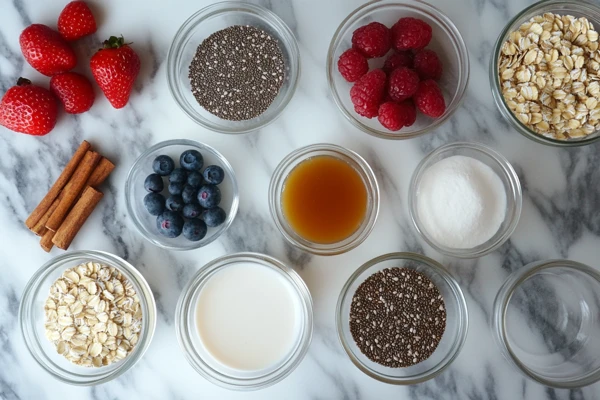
324, 200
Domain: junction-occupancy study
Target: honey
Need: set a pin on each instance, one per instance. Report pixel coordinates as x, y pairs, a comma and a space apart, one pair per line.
324, 200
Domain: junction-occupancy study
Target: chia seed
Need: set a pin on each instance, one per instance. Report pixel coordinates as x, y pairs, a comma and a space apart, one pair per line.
237, 72
397, 317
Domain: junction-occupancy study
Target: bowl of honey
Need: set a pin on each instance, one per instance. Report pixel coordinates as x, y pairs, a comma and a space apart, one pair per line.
324, 199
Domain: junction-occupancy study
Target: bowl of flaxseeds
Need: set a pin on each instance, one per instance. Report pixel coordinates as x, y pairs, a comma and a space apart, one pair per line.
233, 67
402, 318
545, 72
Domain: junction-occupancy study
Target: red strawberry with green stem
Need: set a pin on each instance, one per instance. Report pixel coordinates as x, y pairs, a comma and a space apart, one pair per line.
76, 21
27, 108
115, 68
46, 51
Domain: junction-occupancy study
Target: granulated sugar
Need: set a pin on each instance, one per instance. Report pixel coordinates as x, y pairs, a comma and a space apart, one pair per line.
461, 202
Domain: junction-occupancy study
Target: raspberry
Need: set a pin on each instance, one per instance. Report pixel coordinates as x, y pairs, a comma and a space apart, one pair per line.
410, 33
372, 40
398, 59
395, 116
429, 99
403, 83
428, 65
367, 93
352, 65
409, 112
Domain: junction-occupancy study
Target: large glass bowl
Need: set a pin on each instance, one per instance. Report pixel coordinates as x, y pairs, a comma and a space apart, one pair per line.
576, 8
31, 319
446, 42
207, 21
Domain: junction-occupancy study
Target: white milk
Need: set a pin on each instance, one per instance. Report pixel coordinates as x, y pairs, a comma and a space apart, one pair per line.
247, 316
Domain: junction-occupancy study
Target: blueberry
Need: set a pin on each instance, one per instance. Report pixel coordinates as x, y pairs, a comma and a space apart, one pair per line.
189, 194
154, 203
194, 229
163, 165
175, 188
192, 210
174, 203
154, 183
191, 160
214, 216
209, 196
169, 224
178, 175
214, 174
194, 179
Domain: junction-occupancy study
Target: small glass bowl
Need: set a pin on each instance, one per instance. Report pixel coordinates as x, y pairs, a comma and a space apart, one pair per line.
576, 8
457, 320
446, 42
200, 359
505, 172
31, 319
135, 192
209, 20
546, 322
277, 185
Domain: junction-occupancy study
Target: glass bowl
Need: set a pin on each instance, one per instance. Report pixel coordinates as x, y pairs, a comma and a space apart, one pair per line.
277, 185
135, 192
500, 166
576, 8
31, 319
204, 363
456, 320
446, 42
547, 325
205, 22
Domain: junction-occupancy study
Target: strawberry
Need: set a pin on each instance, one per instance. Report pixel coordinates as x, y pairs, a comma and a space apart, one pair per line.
76, 21
46, 51
74, 91
28, 109
115, 68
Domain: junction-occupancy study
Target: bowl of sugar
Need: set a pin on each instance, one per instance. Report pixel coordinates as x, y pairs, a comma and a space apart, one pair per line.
465, 199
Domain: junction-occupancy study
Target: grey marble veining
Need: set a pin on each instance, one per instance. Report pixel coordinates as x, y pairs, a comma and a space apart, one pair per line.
560, 215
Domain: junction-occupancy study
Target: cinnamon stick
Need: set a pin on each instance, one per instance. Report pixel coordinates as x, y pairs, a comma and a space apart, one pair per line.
60, 182
46, 241
73, 189
76, 218
40, 227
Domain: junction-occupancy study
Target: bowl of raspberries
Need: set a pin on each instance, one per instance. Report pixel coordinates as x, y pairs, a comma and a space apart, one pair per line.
397, 69
181, 194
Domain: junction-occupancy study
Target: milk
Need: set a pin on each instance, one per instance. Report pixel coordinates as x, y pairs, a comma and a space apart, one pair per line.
247, 316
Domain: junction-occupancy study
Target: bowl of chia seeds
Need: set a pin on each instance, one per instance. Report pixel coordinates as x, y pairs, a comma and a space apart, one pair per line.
233, 67
402, 318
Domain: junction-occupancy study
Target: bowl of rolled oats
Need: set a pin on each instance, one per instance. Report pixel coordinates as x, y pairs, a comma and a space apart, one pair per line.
545, 73
87, 317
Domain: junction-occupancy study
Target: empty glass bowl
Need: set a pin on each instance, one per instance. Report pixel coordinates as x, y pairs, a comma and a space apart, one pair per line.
446, 42
500, 166
209, 20
31, 319
135, 192
546, 321
454, 336
575, 8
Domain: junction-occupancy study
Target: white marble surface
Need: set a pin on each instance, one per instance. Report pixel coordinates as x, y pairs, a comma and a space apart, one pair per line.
560, 209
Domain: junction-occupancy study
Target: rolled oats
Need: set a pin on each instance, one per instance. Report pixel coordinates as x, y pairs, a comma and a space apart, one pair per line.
549, 75
93, 315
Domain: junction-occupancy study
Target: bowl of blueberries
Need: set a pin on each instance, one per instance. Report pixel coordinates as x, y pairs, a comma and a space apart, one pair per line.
181, 194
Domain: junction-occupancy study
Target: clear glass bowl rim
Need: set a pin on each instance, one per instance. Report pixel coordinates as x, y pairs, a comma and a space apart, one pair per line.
218, 378
208, 12
434, 13
278, 182
34, 286
463, 323
507, 290
515, 196
197, 145
541, 6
